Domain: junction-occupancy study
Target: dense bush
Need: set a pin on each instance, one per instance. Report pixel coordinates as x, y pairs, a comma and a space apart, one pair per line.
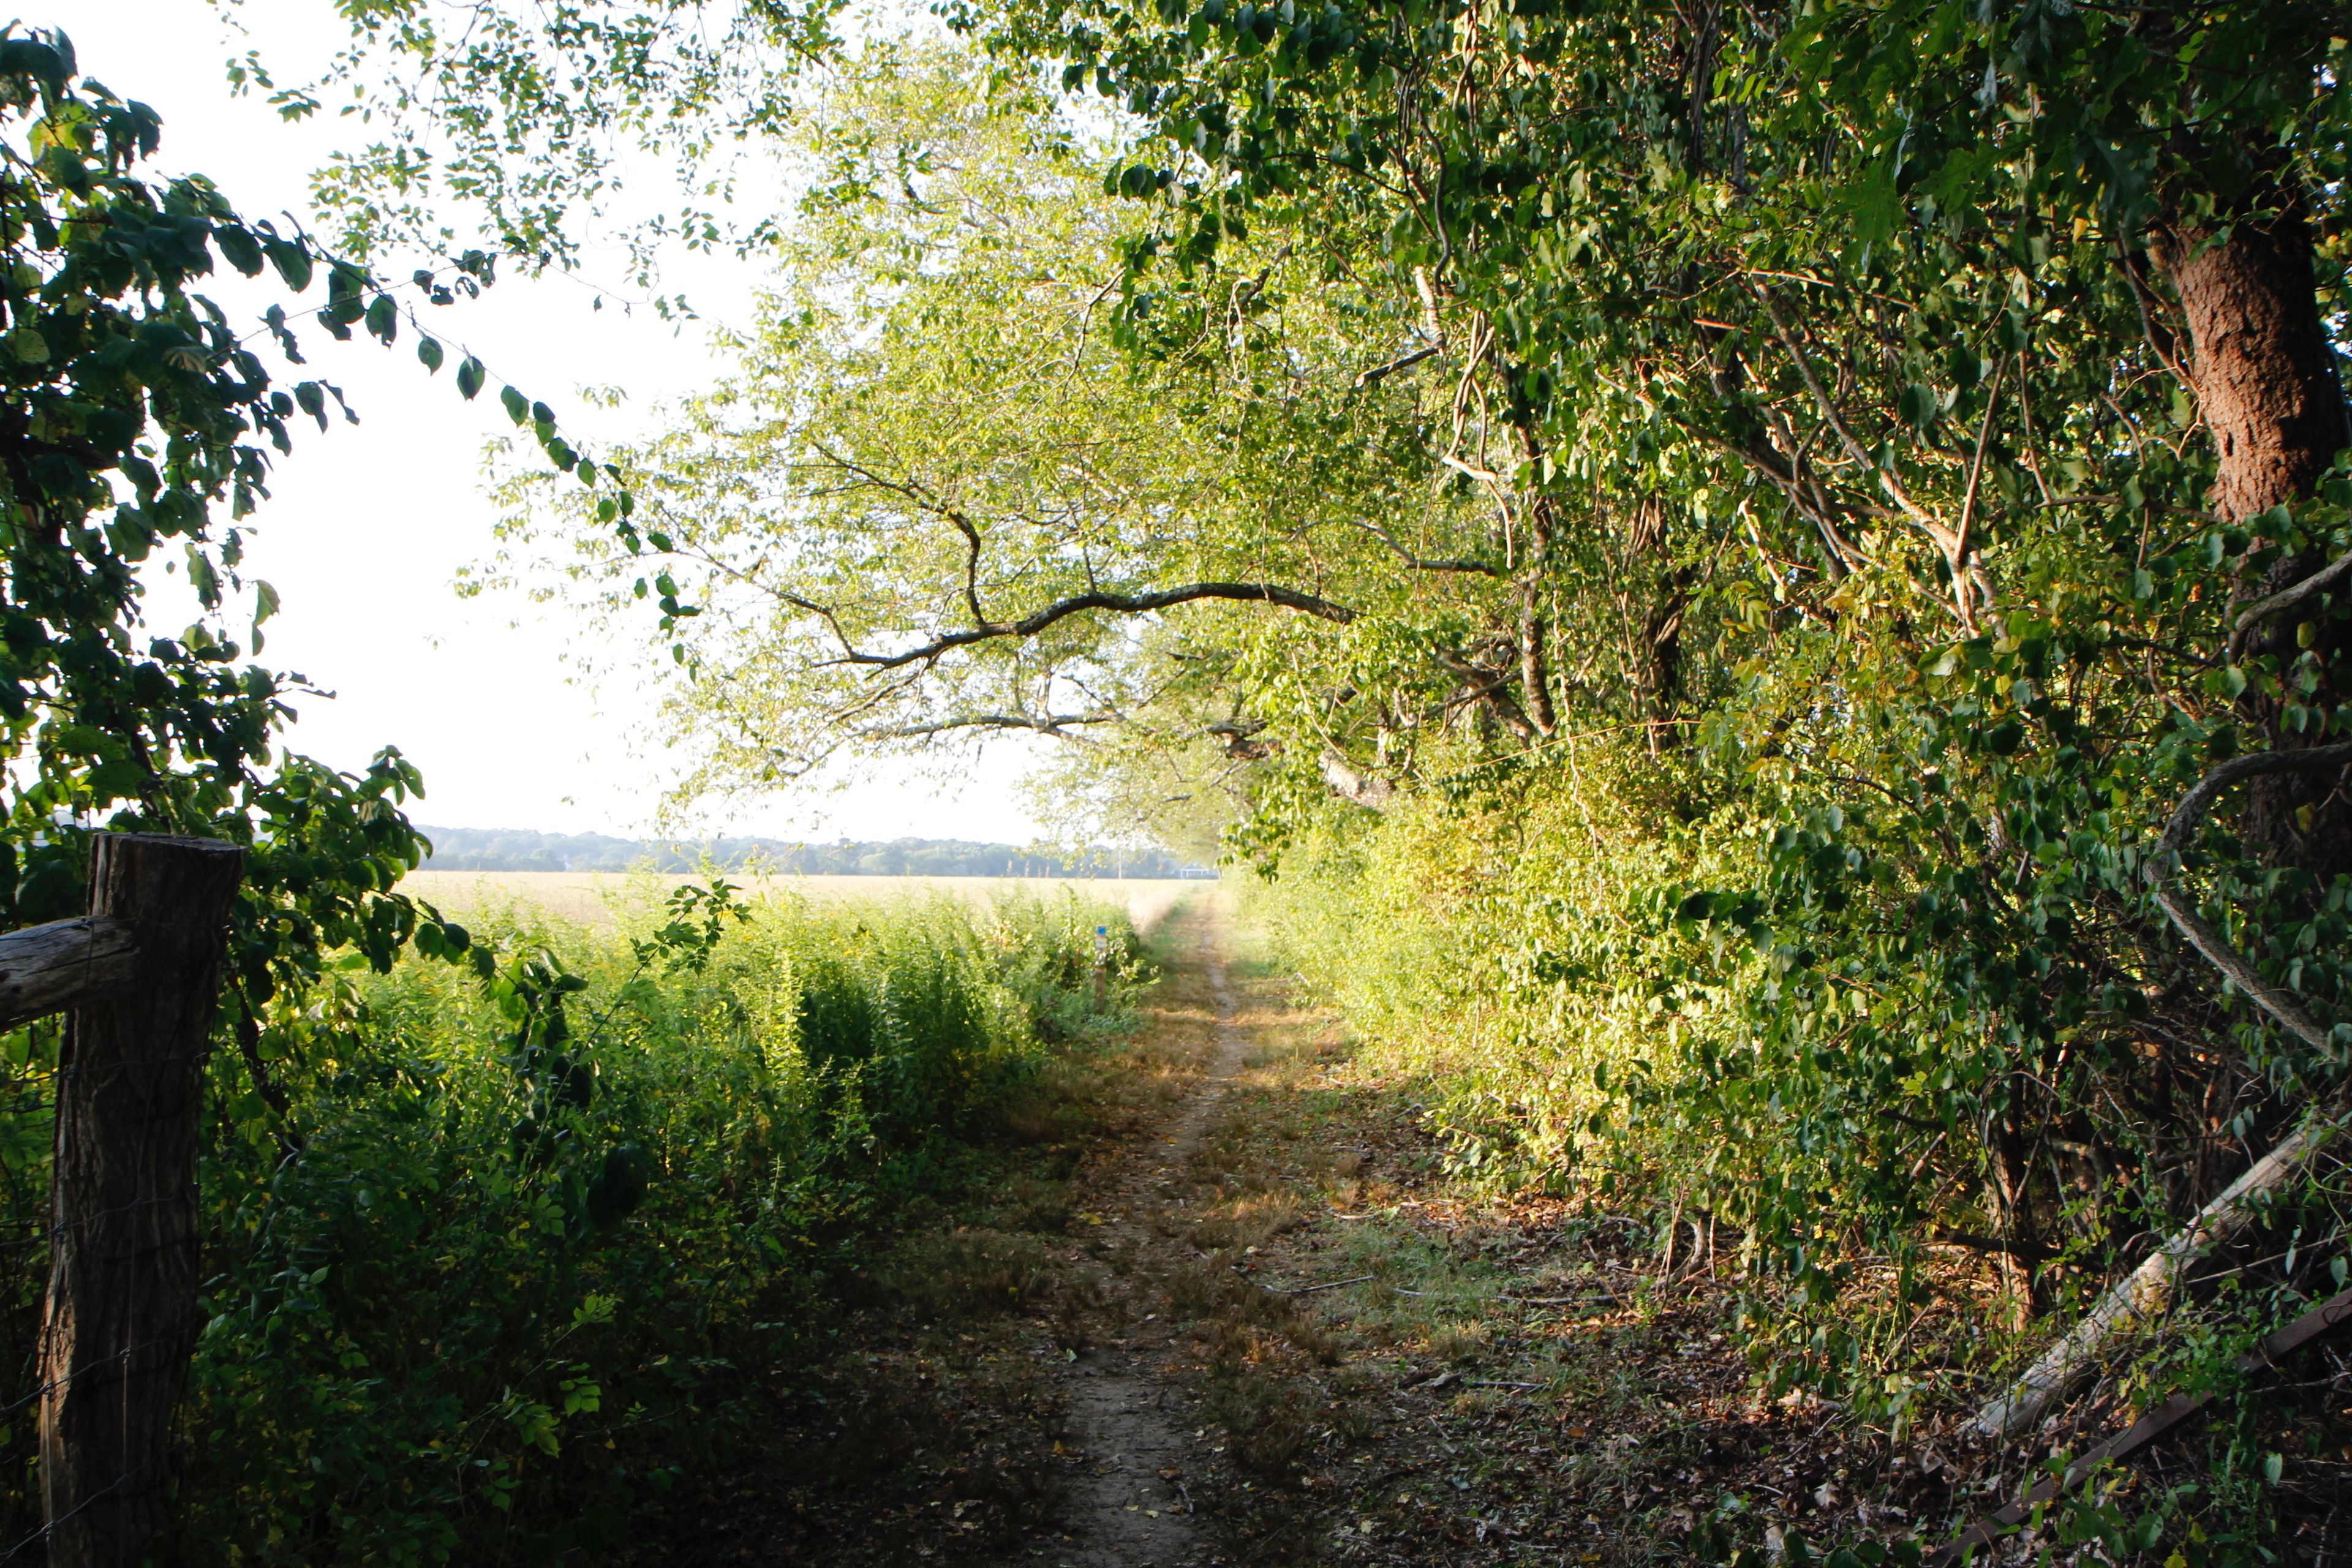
1881, 1005
522, 1248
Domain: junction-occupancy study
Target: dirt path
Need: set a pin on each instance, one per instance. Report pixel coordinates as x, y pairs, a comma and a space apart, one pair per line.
1222, 1306
1132, 1506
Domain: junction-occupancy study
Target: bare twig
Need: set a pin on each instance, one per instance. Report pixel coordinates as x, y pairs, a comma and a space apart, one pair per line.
1314, 1290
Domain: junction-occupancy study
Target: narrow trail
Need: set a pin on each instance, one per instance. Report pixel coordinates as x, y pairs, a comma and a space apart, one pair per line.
1233, 1309
1130, 1506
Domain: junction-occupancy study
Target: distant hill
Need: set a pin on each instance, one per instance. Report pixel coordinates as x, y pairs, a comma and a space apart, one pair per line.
515, 849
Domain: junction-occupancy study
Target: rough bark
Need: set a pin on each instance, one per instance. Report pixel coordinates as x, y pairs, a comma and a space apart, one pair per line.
1658, 658
2264, 376
121, 1310
48, 968
1535, 674
2264, 372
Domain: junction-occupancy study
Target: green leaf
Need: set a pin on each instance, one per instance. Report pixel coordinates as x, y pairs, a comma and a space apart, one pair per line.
429, 353
205, 580
292, 260
1920, 406
469, 377
518, 406
242, 250
383, 318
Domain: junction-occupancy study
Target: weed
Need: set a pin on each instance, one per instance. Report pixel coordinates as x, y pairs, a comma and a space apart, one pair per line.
1251, 1220
1460, 1340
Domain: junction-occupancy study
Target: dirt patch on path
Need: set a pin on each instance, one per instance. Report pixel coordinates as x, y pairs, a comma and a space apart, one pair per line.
1235, 1313
1131, 1508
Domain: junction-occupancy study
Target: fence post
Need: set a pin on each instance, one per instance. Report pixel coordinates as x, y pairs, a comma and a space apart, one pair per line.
121, 1312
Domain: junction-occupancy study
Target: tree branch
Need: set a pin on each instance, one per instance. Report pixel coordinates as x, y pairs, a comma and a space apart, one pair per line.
924, 498
1420, 563
1240, 739
2325, 578
1366, 790
1974, 578
2148, 1290
1046, 724
1842, 554
1380, 372
2164, 866
1120, 603
1933, 526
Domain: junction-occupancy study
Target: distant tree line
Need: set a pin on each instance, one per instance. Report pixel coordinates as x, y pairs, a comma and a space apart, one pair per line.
504, 849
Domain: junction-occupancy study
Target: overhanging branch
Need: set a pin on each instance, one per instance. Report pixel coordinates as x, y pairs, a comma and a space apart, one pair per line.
1044, 724
2325, 578
1119, 603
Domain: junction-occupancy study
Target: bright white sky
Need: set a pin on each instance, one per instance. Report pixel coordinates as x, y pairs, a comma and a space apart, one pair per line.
369, 523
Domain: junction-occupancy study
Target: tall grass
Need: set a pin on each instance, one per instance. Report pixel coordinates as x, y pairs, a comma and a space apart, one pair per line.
525, 1248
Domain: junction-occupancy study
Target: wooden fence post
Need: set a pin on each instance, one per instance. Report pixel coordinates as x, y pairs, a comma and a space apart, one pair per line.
121, 1314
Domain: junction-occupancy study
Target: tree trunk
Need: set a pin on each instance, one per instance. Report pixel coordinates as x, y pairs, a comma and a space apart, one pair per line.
121, 1312
1534, 672
2265, 374
2267, 388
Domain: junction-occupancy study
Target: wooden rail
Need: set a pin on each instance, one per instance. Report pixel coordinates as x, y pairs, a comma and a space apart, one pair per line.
139, 977
48, 969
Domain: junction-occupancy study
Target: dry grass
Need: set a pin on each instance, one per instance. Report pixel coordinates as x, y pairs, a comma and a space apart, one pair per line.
599, 898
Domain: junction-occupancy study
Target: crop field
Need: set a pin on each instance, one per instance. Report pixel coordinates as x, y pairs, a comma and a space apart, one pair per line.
597, 897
